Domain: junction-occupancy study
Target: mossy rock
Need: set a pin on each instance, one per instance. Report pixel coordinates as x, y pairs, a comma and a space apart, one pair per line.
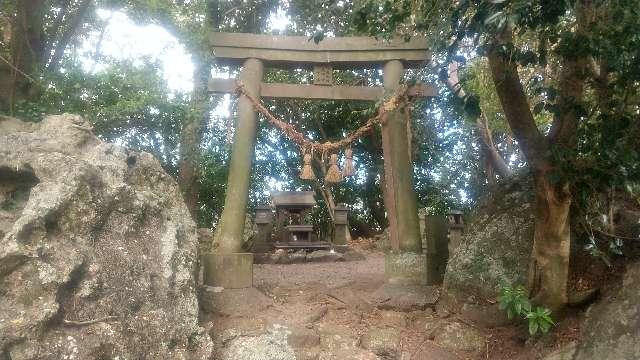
496, 246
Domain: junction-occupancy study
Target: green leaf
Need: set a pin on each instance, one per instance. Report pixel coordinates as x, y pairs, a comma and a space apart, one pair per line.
533, 327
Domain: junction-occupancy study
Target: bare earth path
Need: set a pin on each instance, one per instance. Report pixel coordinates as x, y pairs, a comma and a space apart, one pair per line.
322, 311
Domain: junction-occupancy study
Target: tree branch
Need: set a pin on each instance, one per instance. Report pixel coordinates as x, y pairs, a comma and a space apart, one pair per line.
486, 142
61, 46
514, 101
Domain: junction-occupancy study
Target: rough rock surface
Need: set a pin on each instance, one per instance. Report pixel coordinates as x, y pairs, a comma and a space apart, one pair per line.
384, 342
461, 337
233, 302
484, 315
496, 245
612, 326
97, 250
272, 345
405, 297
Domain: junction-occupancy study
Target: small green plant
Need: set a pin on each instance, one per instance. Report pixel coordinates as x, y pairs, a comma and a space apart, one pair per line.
515, 302
539, 319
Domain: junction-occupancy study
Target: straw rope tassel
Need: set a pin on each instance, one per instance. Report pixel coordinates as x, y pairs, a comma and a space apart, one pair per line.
333, 174
307, 171
347, 169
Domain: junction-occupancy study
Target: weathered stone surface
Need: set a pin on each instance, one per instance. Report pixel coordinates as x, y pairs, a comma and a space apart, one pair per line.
324, 256
351, 354
97, 250
234, 302
484, 315
432, 326
405, 297
460, 337
405, 268
297, 257
392, 318
612, 326
307, 353
384, 342
336, 337
238, 326
496, 245
272, 345
350, 298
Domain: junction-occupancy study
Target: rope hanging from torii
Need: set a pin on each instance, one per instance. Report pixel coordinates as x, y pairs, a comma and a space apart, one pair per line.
310, 147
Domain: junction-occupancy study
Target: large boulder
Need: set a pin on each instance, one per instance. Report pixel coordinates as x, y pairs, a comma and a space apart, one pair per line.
612, 326
496, 245
97, 250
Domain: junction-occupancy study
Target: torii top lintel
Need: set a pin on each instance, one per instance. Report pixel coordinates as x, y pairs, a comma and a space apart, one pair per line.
300, 51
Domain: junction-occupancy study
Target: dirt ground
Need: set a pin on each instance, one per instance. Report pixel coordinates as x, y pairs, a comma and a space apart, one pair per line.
310, 298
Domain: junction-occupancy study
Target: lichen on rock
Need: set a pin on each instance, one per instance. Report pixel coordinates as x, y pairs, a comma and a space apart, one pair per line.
612, 326
97, 249
496, 245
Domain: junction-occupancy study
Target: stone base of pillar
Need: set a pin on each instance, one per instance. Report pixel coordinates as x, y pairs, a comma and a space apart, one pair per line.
230, 271
405, 268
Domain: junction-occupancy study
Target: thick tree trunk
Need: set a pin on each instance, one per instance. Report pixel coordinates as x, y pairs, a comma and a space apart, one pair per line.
191, 136
193, 127
67, 35
549, 267
27, 48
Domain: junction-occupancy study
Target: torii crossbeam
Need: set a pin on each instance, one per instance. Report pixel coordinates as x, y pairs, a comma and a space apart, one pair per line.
228, 266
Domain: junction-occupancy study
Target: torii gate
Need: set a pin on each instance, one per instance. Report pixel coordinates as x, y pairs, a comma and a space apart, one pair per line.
228, 266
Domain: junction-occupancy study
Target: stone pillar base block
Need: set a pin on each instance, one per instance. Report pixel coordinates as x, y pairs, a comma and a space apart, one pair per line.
230, 271
405, 268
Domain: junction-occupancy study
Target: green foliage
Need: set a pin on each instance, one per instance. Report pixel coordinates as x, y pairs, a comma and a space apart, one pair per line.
539, 319
515, 302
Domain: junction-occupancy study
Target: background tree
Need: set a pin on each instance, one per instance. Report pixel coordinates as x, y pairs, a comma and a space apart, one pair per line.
564, 42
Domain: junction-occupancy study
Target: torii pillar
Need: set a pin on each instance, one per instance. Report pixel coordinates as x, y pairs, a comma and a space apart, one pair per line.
405, 264
228, 266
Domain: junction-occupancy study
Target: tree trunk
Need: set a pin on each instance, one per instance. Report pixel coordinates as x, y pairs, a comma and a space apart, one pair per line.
67, 35
549, 267
191, 136
494, 160
27, 48
192, 129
